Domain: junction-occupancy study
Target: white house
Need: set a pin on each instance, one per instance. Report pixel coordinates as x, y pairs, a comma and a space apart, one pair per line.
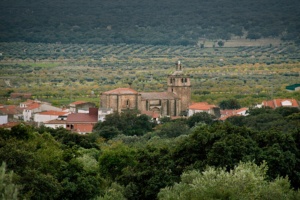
203, 107
35, 107
3, 119
229, 113
48, 116
275, 103
56, 123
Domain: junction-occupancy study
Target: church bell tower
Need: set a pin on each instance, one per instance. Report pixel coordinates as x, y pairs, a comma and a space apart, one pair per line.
180, 84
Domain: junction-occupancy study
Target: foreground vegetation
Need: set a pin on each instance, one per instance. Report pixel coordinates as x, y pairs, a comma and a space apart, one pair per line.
130, 157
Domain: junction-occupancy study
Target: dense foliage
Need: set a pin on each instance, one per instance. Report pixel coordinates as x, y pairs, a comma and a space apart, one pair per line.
122, 160
146, 22
246, 181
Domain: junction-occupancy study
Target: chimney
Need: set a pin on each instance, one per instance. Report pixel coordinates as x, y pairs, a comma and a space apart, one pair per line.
93, 111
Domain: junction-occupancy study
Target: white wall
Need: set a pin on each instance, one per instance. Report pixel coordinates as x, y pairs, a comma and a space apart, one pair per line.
3, 119
191, 112
55, 125
44, 118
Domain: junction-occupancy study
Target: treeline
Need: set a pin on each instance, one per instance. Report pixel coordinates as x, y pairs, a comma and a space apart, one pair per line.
146, 22
130, 157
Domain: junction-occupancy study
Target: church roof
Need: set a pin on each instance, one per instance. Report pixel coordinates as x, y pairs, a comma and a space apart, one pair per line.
158, 95
121, 91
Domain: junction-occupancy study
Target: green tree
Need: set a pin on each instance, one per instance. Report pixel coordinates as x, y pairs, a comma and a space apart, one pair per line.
172, 129
245, 181
129, 122
229, 104
153, 170
114, 159
201, 117
8, 189
220, 43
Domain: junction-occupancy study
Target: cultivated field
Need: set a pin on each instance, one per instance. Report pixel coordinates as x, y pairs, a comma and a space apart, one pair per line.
66, 72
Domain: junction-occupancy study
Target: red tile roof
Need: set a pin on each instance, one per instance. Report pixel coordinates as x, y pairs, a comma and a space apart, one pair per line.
232, 112
33, 106
158, 95
229, 113
121, 91
9, 124
51, 112
201, 106
11, 110
56, 121
82, 118
275, 103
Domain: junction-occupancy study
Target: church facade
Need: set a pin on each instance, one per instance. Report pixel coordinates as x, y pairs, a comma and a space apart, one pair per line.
172, 102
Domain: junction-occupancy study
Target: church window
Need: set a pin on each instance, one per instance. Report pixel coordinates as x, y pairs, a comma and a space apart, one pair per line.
127, 103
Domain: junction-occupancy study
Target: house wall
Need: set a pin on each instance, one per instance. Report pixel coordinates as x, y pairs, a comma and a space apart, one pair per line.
102, 114
82, 108
44, 118
3, 119
55, 125
192, 111
27, 115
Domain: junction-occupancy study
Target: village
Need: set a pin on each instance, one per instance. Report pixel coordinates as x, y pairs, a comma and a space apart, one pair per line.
81, 116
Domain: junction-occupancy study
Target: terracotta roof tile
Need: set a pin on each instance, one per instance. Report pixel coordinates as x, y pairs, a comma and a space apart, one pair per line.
11, 110
82, 117
56, 121
121, 91
229, 113
33, 106
279, 103
52, 112
9, 124
201, 106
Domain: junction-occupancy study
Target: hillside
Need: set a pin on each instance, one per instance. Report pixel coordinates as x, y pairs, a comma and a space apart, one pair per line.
171, 22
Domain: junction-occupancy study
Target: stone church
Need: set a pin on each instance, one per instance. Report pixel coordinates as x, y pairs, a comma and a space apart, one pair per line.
170, 103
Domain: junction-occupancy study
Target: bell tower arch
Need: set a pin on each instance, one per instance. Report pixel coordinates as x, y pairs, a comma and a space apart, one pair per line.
180, 84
